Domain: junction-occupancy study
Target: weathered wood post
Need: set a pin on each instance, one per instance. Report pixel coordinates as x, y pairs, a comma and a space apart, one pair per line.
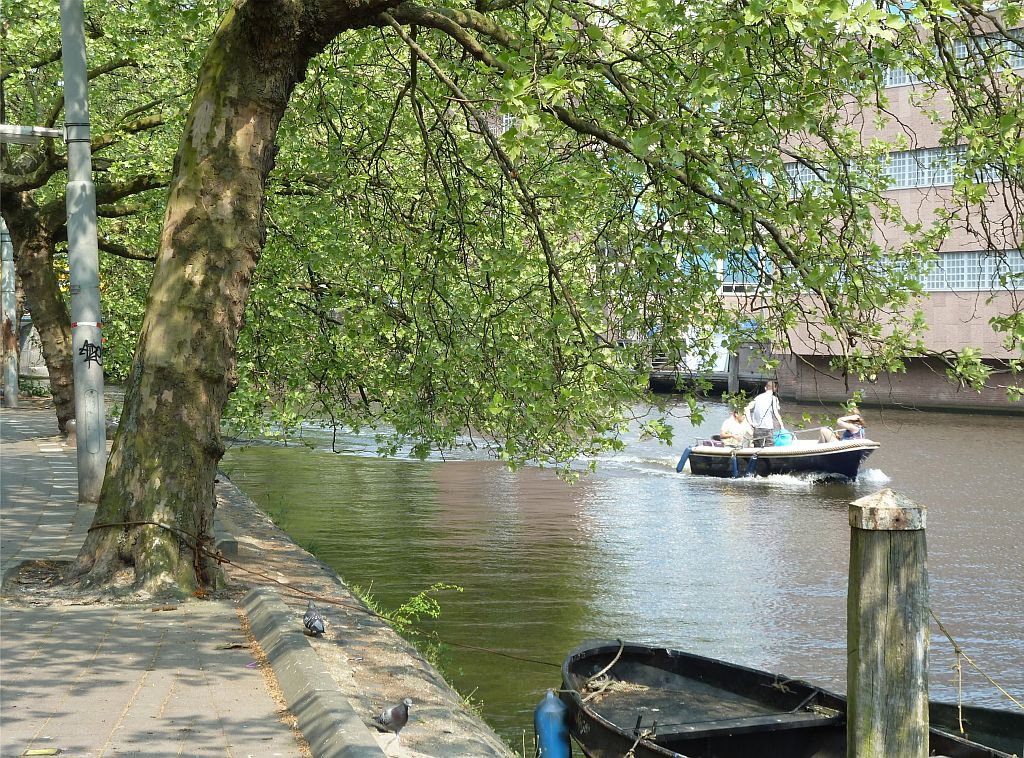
734, 373
887, 629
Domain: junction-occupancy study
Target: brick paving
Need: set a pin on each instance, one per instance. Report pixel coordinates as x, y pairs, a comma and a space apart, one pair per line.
107, 678
112, 679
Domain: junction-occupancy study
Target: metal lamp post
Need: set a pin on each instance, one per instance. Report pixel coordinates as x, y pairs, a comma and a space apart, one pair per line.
10, 329
83, 252
83, 255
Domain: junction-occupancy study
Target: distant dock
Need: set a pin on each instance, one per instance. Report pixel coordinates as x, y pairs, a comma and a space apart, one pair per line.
730, 372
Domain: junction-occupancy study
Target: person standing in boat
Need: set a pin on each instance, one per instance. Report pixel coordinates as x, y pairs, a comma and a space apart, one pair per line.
736, 432
765, 416
848, 427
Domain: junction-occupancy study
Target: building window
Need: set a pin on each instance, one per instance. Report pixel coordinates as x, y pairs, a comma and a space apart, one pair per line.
800, 175
909, 169
1016, 49
994, 44
743, 271
985, 44
927, 167
898, 77
976, 270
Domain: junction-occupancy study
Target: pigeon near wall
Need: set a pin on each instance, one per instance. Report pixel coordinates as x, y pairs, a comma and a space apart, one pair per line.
314, 621
394, 718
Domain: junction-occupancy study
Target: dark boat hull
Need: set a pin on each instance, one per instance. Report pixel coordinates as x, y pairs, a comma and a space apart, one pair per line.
667, 703
837, 459
999, 729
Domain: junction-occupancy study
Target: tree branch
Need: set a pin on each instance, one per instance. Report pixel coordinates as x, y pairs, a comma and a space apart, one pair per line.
121, 251
110, 192
525, 197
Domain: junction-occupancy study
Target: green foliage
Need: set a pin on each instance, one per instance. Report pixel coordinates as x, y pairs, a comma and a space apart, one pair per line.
421, 605
445, 290
404, 287
407, 619
736, 401
29, 388
143, 62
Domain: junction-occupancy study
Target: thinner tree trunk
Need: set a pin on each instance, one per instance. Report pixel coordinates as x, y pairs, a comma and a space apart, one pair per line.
165, 455
34, 233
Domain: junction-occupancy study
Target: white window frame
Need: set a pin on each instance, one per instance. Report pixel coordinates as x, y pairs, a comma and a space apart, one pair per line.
896, 76
924, 167
975, 271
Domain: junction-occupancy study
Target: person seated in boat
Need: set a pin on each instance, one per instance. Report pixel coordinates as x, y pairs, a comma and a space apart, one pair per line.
849, 427
736, 431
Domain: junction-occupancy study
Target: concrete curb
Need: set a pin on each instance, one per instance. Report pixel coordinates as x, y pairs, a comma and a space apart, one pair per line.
325, 717
223, 540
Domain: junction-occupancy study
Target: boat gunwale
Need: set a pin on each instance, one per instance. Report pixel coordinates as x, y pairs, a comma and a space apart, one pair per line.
785, 451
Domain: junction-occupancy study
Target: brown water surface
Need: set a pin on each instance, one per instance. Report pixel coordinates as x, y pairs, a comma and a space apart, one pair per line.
750, 570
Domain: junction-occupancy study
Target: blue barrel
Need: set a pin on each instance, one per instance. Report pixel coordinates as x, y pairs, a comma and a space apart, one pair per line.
783, 437
550, 722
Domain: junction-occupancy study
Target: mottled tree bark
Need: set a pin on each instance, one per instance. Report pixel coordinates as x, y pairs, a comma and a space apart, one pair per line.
35, 233
164, 459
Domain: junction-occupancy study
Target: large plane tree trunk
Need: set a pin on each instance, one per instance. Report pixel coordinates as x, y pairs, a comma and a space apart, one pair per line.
35, 232
164, 459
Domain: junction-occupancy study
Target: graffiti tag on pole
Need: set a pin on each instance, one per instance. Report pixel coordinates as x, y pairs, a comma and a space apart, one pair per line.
92, 353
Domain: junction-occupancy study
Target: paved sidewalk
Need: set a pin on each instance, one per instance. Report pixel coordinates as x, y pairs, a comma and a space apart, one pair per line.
109, 678
41, 517
96, 680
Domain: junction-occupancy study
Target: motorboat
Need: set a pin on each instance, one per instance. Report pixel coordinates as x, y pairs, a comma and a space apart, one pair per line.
842, 458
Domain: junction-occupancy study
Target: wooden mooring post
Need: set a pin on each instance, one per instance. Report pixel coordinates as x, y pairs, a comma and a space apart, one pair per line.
887, 629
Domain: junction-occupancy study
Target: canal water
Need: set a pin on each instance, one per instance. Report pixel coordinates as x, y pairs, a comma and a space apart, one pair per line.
752, 571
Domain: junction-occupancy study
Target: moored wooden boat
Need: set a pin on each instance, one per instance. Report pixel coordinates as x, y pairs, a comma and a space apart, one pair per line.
994, 727
841, 458
661, 703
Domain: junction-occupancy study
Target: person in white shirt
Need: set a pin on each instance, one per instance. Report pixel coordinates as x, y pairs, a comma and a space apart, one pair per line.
736, 432
765, 416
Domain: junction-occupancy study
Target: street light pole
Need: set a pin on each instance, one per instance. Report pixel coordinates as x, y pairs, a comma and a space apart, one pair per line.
83, 256
10, 328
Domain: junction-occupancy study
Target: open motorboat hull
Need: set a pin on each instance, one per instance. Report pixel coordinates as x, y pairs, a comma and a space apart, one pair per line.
667, 703
841, 458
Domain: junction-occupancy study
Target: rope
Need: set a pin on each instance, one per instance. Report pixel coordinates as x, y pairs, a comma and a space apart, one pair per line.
607, 668
220, 559
641, 734
605, 685
960, 653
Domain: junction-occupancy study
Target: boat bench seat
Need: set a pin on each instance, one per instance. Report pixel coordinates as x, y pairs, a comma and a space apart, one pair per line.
768, 721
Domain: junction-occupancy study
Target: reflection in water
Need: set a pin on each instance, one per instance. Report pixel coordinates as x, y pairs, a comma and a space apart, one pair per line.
753, 571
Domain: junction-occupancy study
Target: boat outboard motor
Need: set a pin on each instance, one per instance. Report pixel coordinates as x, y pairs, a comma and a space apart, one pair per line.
550, 719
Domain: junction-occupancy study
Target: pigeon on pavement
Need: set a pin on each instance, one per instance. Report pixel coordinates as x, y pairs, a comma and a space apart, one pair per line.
313, 620
394, 718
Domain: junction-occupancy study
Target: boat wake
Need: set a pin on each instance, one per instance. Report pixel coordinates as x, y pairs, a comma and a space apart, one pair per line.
873, 476
803, 481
